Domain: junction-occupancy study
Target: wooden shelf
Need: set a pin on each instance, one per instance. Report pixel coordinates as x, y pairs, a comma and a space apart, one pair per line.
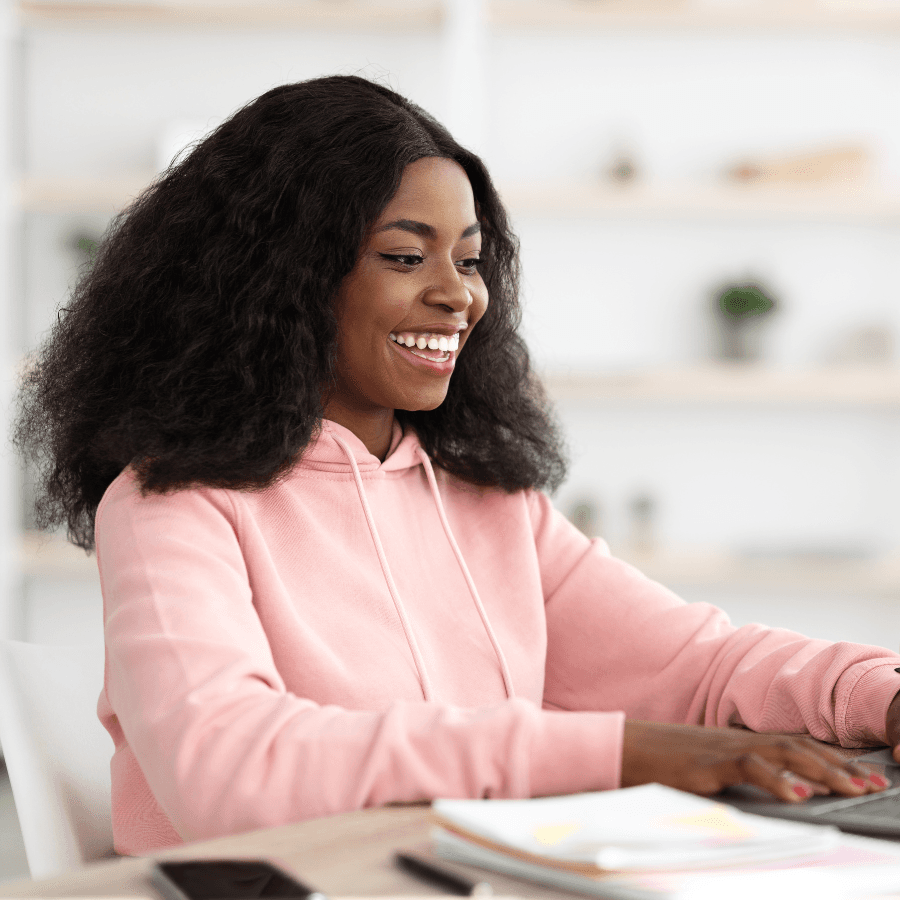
407, 15
52, 555
60, 195
561, 15
740, 203
710, 568
600, 15
736, 383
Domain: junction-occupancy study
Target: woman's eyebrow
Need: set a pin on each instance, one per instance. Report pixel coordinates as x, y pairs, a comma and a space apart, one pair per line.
423, 229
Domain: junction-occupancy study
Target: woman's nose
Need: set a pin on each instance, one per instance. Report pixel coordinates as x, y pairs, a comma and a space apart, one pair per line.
450, 291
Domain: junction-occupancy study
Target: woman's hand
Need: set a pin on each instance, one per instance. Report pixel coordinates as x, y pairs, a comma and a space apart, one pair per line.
704, 760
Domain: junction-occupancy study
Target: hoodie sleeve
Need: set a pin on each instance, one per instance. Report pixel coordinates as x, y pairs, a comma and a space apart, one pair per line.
208, 735
617, 640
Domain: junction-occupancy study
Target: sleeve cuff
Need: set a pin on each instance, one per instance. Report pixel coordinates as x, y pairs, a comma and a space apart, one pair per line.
868, 704
577, 752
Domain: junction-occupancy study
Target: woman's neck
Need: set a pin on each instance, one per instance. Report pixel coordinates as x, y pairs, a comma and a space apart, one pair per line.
375, 430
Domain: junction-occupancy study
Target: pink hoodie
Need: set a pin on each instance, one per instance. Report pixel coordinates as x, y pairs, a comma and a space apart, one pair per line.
324, 645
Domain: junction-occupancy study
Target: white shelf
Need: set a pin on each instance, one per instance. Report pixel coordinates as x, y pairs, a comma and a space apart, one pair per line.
600, 15
406, 15
736, 383
743, 203
711, 568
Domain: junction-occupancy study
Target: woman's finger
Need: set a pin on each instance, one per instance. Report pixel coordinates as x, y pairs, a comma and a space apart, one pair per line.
780, 782
823, 765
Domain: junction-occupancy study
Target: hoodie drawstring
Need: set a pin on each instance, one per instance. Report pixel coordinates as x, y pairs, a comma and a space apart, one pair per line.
389, 578
427, 693
498, 650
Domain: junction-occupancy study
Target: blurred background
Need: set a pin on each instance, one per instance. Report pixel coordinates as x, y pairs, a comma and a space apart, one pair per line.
707, 194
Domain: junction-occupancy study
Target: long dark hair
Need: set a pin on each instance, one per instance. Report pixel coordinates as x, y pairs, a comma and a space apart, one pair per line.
197, 346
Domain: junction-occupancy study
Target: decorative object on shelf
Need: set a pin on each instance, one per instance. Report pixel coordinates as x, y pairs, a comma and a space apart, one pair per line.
83, 243
867, 344
585, 516
846, 166
621, 166
643, 531
623, 170
740, 311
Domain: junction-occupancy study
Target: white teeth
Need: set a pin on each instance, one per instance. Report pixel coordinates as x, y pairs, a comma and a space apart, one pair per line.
442, 343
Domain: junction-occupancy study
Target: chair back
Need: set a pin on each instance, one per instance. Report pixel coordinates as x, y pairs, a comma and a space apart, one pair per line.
57, 753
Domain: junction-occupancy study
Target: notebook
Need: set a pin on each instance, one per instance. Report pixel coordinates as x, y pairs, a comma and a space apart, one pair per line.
656, 843
872, 814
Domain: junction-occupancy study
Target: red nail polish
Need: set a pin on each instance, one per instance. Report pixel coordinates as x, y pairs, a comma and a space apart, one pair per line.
858, 782
802, 791
878, 780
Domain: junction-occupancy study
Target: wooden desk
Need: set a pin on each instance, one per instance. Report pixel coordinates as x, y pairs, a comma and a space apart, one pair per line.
349, 855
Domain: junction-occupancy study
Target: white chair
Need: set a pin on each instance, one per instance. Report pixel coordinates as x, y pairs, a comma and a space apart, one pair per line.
57, 753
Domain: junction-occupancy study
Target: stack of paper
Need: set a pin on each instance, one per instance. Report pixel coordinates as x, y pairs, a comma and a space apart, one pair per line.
652, 841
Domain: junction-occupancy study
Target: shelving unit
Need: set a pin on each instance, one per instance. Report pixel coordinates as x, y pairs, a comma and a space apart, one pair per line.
871, 390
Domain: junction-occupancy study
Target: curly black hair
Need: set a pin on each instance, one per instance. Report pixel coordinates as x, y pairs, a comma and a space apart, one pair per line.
199, 344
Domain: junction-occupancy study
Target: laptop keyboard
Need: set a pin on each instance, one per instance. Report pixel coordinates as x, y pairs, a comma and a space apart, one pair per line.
885, 804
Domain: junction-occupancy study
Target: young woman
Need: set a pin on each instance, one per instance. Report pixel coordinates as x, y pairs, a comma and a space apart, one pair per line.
289, 406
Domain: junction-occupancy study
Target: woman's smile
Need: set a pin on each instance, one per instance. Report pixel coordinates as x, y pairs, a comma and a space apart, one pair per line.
434, 347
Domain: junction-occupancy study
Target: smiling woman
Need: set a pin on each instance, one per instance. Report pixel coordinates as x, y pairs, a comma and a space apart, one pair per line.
290, 407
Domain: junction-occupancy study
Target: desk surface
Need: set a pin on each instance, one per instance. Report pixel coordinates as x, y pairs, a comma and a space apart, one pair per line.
350, 855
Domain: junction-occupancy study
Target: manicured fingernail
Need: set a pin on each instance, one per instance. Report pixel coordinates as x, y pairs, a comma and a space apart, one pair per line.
802, 791
878, 780
858, 782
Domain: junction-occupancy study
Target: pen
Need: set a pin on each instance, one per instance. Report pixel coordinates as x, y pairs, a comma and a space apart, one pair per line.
441, 877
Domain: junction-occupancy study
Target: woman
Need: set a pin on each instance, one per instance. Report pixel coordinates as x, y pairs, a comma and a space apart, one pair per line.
290, 406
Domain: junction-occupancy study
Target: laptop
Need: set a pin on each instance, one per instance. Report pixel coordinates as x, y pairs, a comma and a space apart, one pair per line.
872, 814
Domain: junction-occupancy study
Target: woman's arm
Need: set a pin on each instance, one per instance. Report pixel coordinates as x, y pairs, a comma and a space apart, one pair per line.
617, 640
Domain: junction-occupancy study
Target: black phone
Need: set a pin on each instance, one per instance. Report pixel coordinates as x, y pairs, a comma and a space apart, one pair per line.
227, 879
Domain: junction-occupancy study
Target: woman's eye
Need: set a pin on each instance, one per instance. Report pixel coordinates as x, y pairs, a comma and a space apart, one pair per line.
408, 260
469, 266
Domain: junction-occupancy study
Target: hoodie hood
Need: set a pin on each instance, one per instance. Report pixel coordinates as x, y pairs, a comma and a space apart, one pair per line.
325, 454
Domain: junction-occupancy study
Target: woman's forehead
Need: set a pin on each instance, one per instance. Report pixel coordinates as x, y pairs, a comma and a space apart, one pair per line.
435, 192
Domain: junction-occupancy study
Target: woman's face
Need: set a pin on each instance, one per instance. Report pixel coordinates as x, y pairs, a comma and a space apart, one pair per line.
413, 297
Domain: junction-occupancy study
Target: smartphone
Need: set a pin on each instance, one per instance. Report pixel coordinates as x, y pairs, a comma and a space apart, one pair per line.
227, 879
